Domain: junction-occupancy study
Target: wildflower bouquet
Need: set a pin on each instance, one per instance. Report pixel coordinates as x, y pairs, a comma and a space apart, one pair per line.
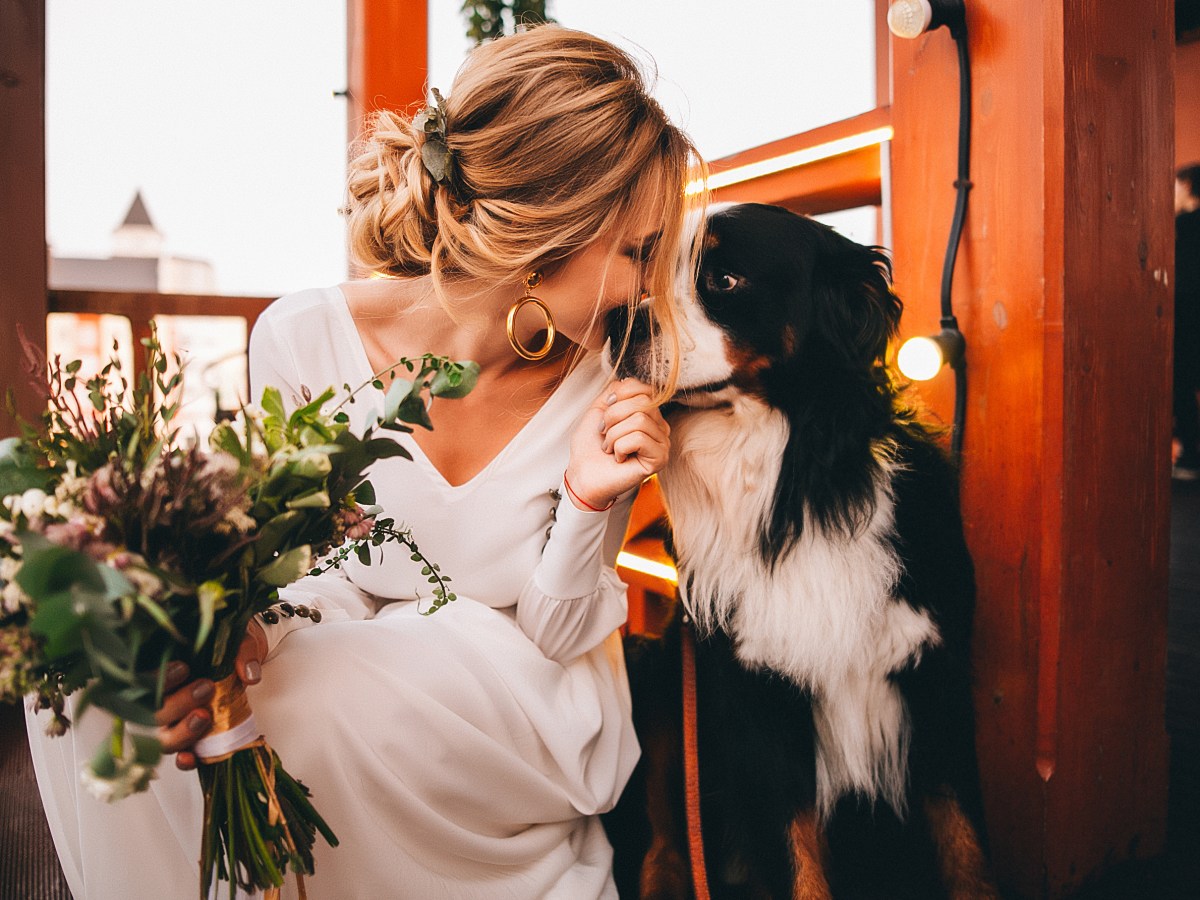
123, 548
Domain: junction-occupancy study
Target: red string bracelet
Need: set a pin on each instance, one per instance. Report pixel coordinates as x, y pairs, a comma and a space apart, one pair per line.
581, 501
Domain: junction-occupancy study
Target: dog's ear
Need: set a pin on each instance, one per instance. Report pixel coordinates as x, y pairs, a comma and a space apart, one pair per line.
852, 300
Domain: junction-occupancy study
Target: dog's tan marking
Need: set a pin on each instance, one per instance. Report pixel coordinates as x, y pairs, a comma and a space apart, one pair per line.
747, 365
809, 851
963, 866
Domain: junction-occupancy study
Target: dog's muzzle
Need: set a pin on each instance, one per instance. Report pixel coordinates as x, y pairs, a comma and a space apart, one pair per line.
629, 330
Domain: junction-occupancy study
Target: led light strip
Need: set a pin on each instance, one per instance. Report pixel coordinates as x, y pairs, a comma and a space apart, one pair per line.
793, 160
647, 567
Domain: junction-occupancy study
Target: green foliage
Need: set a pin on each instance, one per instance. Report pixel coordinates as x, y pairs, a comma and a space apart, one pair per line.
132, 550
488, 19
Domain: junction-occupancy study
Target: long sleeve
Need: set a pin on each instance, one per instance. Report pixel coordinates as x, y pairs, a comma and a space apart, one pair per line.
574, 599
273, 363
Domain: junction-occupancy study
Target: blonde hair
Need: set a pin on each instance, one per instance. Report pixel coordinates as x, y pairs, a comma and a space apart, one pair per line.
556, 142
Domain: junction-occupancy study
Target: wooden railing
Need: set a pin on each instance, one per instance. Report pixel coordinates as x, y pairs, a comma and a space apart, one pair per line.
140, 308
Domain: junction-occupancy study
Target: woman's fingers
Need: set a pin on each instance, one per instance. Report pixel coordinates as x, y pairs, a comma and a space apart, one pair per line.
250, 654
652, 428
180, 734
182, 701
183, 716
623, 409
650, 452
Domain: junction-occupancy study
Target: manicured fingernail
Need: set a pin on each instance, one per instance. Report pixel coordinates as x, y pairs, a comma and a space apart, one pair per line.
253, 672
202, 692
197, 723
602, 428
610, 399
176, 671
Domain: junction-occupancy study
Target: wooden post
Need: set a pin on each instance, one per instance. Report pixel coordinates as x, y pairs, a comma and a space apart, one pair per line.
387, 56
22, 195
1063, 293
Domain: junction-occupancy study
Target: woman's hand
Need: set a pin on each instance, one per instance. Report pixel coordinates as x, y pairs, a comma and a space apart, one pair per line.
621, 441
185, 717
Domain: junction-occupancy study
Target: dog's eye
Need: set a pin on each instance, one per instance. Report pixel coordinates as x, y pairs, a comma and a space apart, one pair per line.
722, 282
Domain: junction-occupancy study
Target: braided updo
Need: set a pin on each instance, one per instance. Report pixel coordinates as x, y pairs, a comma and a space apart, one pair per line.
555, 140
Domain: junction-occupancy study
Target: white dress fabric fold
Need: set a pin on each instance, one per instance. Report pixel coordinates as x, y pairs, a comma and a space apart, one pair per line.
464, 754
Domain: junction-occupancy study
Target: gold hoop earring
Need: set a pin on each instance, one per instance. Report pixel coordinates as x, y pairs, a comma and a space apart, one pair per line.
532, 280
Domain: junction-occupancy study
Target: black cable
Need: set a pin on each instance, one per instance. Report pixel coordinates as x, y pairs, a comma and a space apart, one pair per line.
962, 183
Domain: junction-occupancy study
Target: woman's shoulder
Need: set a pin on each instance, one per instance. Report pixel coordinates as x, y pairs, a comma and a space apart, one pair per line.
302, 309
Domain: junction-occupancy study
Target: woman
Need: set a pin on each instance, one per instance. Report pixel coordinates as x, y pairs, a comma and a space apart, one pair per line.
466, 754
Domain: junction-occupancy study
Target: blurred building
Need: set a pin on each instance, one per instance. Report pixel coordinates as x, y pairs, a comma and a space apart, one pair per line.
138, 262
212, 346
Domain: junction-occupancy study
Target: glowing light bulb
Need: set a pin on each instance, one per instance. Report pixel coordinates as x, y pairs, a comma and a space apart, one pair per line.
909, 18
920, 358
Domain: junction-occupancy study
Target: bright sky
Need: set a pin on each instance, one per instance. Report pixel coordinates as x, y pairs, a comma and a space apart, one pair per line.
223, 112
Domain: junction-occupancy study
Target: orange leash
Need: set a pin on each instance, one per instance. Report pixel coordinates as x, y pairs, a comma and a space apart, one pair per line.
691, 763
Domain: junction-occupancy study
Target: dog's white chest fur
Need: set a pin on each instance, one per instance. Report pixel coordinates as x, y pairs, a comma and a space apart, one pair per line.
827, 616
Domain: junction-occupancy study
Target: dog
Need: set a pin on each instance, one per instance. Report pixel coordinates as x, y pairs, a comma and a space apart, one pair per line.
823, 568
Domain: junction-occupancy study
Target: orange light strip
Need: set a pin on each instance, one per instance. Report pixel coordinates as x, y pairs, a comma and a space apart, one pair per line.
647, 567
795, 159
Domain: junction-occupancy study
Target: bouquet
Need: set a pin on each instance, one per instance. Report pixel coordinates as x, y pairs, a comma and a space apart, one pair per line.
125, 547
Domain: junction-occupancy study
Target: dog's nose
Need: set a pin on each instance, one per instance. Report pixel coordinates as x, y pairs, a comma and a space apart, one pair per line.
635, 323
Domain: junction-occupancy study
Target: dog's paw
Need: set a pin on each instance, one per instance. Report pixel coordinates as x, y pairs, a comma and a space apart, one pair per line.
666, 874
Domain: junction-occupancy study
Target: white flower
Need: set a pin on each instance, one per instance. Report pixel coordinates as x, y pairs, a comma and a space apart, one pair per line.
12, 598
237, 520
147, 583
33, 503
131, 777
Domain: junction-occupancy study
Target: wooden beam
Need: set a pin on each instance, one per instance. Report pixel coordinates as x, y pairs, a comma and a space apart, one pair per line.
145, 306
22, 194
840, 181
1062, 291
386, 56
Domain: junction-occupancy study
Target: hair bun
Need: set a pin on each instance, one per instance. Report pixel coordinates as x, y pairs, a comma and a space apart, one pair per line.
393, 215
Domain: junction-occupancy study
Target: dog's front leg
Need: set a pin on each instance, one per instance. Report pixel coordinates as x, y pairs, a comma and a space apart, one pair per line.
960, 856
806, 839
666, 874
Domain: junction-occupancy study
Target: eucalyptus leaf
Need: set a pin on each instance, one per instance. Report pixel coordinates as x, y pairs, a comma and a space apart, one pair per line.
273, 533
437, 159
272, 402
314, 500
18, 471
211, 597
385, 448
396, 393
452, 387
119, 704
287, 567
311, 409
50, 569
412, 409
103, 763
364, 494
146, 749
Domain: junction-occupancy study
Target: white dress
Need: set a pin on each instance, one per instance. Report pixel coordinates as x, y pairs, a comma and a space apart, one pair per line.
465, 754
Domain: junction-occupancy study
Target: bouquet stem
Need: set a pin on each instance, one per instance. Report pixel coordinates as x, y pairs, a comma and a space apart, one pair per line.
258, 819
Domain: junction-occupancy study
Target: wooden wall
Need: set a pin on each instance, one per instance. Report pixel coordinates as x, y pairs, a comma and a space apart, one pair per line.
1062, 293
22, 193
1187, 103
387, 56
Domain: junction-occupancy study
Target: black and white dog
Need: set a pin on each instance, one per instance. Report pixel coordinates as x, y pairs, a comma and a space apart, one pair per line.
817, 533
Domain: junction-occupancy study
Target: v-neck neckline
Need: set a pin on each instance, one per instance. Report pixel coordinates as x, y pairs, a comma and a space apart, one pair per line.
419, 456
